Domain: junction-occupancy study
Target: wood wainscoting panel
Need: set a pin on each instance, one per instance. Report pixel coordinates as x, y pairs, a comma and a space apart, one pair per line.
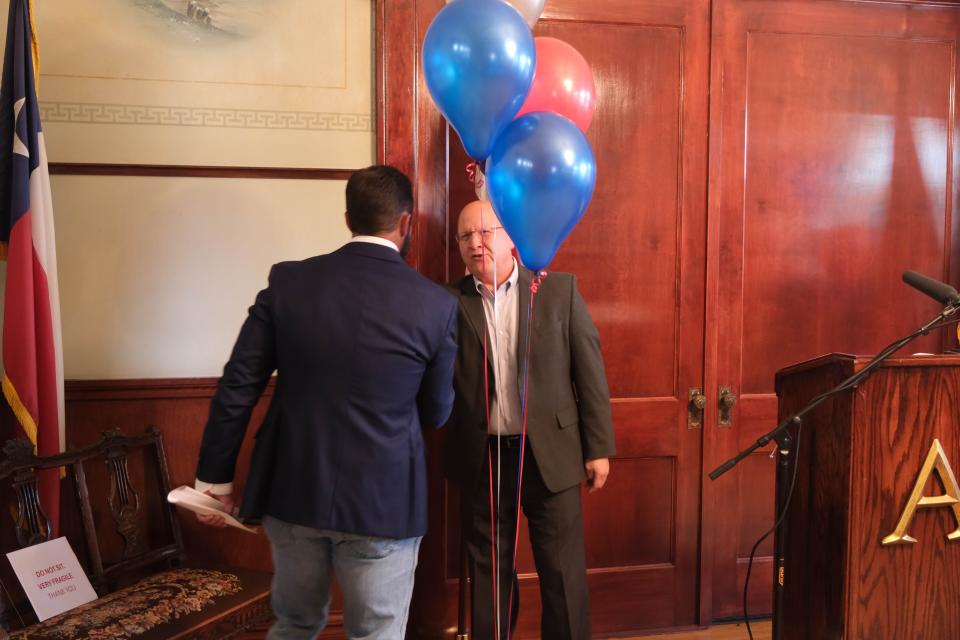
178, 408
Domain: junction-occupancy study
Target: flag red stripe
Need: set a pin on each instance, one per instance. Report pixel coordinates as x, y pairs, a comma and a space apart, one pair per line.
28, 350
20, 327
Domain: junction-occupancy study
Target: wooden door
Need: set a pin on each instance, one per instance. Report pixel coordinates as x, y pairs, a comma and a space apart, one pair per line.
833, 168
639, 257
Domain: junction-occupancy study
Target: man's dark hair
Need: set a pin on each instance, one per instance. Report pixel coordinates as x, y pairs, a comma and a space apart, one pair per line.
376, 198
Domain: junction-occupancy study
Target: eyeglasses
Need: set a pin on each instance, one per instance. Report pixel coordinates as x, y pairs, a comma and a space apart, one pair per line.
484, 234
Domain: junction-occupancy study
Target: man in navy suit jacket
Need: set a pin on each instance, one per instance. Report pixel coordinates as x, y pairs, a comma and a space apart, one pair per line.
364, 351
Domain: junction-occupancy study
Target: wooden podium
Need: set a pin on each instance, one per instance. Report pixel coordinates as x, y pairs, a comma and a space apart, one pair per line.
856, 564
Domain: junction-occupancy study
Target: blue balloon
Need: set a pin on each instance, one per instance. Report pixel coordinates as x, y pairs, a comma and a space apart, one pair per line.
540, 177
478, 60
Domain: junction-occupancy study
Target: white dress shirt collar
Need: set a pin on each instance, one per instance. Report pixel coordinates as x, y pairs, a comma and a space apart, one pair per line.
505, 287
383, 242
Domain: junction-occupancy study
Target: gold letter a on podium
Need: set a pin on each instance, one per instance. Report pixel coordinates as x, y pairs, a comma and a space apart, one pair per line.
936, 461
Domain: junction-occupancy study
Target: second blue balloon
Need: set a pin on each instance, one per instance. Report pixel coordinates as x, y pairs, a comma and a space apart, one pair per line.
540, 176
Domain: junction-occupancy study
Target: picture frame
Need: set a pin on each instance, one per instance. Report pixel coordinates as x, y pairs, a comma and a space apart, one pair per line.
211, 84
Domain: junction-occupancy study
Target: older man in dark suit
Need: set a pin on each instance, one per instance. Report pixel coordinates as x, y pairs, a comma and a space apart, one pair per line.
569, 433
364, 348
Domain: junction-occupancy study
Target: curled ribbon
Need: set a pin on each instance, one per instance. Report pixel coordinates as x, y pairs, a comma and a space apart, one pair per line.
474, 175
537, 281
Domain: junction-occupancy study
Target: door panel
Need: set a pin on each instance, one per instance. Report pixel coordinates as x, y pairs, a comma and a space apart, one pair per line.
832, 171
639, 258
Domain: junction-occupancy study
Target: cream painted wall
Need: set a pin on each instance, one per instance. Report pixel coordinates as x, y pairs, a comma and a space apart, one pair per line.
156, 274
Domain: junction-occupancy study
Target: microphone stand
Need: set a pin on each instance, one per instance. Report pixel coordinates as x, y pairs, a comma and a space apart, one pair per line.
781, 435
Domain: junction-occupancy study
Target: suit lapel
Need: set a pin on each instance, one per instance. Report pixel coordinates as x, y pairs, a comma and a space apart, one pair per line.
524, 278
473, 308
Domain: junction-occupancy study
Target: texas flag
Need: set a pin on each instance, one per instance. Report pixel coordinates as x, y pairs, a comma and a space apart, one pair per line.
32, 351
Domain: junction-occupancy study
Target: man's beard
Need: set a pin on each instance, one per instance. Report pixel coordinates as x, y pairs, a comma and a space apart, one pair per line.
405, 247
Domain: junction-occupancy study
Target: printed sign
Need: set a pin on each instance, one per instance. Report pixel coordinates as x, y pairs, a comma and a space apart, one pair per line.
52, 577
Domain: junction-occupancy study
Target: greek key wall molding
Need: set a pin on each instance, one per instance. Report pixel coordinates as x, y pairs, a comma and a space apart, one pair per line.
92, 113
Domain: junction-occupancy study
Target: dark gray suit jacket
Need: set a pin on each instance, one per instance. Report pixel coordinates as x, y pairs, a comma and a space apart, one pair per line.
568, 417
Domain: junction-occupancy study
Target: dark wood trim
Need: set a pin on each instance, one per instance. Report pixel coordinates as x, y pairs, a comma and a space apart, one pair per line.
412, 136
411, 133
396, 64
192, 171
149, 388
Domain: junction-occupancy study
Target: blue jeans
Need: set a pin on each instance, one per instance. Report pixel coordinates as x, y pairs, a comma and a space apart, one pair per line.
375, 576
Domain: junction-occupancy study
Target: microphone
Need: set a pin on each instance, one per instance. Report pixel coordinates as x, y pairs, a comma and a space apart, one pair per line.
939, 291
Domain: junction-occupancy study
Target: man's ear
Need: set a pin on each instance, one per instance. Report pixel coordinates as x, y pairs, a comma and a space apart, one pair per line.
406, 221
346, 219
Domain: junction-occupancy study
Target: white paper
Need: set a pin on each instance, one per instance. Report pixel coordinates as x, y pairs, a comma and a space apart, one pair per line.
52, 577
190, 498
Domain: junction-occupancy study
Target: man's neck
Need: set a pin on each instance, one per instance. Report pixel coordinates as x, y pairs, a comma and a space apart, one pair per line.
502, 276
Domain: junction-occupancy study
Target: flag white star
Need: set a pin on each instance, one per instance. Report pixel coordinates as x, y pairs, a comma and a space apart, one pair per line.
18, 146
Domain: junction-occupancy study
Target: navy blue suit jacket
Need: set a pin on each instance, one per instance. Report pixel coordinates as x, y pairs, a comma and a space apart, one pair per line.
364, 350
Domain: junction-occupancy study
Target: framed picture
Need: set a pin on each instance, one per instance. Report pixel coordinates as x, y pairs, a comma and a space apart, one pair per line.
218, 83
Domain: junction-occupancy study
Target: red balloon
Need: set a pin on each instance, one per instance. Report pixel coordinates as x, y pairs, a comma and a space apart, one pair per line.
562, 83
